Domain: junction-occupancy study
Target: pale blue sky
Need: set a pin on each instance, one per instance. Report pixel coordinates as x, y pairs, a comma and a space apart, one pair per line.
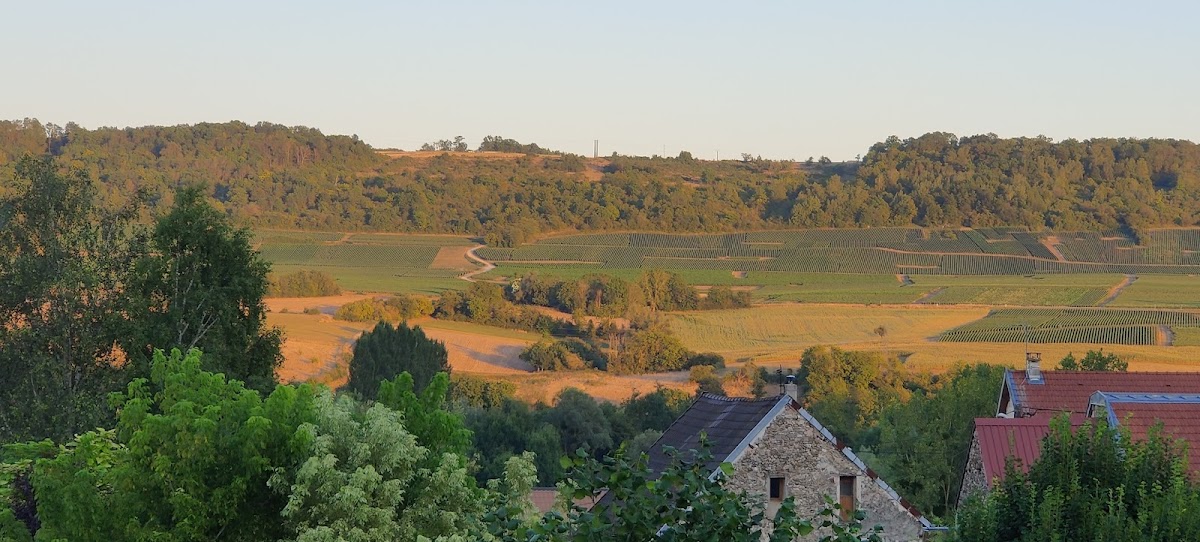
780, 79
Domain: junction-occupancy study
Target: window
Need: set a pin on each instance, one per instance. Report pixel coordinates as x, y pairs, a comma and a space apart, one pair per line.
777, 489
846, 487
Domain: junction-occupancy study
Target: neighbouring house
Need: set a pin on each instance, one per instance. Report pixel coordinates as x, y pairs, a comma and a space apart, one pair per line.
998, 439
1031, 398
1179, 414
778, 450
1033, 392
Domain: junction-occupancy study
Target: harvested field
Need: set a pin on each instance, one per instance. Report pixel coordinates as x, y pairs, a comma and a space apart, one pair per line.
453, 258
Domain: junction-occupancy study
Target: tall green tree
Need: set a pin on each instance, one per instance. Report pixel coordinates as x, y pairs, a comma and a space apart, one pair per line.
924, 443
364, 477
191, 459
205, 285
64, 301
386, 351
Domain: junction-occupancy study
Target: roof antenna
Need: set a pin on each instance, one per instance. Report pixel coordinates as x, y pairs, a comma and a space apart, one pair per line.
779, 378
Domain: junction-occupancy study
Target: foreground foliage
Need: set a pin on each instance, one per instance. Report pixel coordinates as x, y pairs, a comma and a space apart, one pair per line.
682, 503
1095, 483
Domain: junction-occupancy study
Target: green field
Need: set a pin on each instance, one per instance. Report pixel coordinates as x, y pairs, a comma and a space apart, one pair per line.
990, 267
1100, 326
1166, 291
368, 262
910, 251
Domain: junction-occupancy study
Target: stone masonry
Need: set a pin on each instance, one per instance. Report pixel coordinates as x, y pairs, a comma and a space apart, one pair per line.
792, 448
974, 478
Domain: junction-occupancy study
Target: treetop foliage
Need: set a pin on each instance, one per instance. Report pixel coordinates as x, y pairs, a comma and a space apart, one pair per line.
1095, 360
271, 175
388, 350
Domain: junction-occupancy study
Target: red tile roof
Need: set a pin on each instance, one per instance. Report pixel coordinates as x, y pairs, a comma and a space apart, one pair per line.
543, 499
1178, 413
1069, 391
1001, 438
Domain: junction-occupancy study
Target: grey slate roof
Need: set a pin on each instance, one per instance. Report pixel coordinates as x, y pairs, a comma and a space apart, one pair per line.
726, 423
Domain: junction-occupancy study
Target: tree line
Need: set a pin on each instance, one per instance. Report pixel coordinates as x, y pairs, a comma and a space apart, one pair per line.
275, 176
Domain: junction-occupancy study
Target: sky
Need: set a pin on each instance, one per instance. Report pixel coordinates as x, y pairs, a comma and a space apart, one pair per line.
781, 79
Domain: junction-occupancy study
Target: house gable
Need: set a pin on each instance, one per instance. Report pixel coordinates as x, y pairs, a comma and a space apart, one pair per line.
812, 464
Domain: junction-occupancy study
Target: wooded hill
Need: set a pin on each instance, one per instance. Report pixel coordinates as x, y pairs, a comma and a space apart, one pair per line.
269, 175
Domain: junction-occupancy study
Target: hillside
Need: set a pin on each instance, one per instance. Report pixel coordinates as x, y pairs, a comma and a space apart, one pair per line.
268, 175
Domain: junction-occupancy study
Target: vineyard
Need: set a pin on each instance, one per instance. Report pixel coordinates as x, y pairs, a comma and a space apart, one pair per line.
1094, 326
371, 262
911, 251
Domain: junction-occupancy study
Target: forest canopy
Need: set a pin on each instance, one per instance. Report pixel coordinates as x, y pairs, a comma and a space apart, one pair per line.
269, 175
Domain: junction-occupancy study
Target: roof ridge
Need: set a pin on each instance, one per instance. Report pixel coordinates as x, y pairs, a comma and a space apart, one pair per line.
727, 399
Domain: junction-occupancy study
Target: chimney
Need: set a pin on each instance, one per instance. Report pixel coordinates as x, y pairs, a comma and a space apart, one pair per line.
1033, 368
791, 389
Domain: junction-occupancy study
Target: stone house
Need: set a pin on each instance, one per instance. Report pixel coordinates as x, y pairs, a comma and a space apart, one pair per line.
1031, 398
778, 450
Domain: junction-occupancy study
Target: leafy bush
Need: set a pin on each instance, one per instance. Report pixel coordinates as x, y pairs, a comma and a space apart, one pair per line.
401, 307
303, 283
552, 356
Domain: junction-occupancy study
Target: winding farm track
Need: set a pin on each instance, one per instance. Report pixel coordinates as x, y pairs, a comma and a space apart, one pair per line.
487, 266
1116, 290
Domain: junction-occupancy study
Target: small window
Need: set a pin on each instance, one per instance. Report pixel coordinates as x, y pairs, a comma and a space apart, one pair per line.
846, 496
777, 490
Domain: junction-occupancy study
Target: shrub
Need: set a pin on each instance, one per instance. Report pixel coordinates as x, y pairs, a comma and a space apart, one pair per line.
303, 283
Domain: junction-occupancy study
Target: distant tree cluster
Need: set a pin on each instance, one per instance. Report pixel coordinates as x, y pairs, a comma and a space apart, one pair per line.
303, 283
271, 175
604, 295
391, 309
501, 144
458, 144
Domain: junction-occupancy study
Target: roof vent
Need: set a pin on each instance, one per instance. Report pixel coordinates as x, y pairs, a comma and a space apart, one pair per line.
1033, 368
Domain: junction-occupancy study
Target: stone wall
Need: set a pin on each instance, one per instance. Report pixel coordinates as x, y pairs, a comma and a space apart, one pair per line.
974, 478
792, 448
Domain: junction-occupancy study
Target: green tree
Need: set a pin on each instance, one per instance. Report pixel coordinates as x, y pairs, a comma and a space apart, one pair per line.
1091, 483
1095, 360
386, 351
923, 443
205, 286
425, 415
363, 479
64, 262
848, 390
581, 422
190, 460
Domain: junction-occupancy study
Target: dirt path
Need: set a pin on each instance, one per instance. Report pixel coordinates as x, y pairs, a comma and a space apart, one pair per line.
928, 296
487, 266
1116, 290
1164, 336
1051, 244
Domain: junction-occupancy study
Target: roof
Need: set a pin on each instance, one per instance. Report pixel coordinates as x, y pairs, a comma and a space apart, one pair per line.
543, 499
1069, 391
1179, 414
1001, 438
727, 424
730, 425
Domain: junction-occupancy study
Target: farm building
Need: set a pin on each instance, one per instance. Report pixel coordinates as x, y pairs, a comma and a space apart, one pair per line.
1031, 398
778, 450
